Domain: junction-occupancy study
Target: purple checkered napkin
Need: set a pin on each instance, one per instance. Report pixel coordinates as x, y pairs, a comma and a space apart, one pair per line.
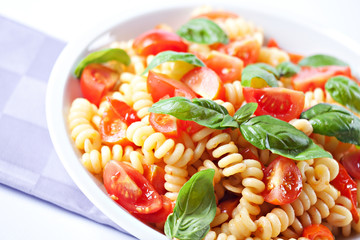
28, 161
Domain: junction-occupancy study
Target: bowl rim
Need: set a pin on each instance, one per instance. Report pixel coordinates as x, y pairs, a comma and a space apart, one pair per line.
56, 117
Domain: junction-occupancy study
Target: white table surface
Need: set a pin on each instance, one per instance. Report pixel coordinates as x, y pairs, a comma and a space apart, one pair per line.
25, 217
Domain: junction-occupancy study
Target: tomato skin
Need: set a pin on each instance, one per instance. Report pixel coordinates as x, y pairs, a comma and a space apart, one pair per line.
165, 124
281, 103
248, 50
159, 216
272, 43
229, 205
348, 188
130, 189
217, 14
317, 231
248, 154
123, 111
96, 81
157, 40
351, 162
228, 68
310, 78
189, 126
283, 181
112, 129
205, 82
159, 85
156, 176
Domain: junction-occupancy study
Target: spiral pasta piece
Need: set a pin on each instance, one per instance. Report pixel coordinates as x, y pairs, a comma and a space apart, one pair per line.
317, 96
272, 56
237, 27
302, 125
234, 93
241, 225
212, 235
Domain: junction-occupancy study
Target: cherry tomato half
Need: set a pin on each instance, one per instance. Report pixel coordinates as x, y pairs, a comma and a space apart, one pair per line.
281, 103
351, 162
157, 40
164, 123
156, 176
123, 111
247, 50
228, 68
159, 85
229, 205
283, 181
348, 188
96, 80
112, 129
310, 78
317, 232
159, 216
205, 82
130, 189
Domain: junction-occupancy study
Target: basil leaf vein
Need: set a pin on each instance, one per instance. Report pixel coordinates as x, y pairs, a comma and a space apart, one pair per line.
203, 111
332, 120
344, 91
171, 56
266, 132
195, 208
203, 31
102, 56
258, 75
245, 112
319, 60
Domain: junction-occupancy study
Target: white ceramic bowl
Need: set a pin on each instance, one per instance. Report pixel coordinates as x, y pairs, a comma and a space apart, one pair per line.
63, 87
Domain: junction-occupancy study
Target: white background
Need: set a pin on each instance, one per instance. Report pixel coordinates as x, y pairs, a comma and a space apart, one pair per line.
25, 217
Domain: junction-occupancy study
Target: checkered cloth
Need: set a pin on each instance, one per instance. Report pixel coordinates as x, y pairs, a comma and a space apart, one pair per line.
28, 161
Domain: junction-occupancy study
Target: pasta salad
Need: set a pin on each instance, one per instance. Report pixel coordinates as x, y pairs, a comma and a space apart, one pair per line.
210, 132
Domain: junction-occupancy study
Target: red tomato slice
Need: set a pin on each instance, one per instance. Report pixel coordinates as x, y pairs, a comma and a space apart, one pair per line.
165, 124
189, 126
351, 162
156, 176
283, 181
295, 58
96, 80
123, 111
281, 103
348, 188
130, 189
272, 43
247, 50
204, 82
217, 14
112, 128
229, 205
159, 85
157, 40
159, 216
228, 68
310, 78
317, 231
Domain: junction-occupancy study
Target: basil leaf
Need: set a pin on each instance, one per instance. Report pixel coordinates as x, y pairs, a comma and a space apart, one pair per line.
266, 132
195, 208
333, 120
171, 56
203, 31
102, 56
203, 111
245, 112
287, 69
257, 77
345, 91
319, 60
267, 68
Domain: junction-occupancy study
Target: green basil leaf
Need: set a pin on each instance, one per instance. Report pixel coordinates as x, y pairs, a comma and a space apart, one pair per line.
171, 56
287, 69
345, 91
195, 208
319, 60
245, 112
203, 111
267, 68
266, 132
203, 31
333, 120
102, 56
254, 76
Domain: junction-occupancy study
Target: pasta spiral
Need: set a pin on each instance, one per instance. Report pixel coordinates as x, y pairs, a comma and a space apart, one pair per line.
234, 93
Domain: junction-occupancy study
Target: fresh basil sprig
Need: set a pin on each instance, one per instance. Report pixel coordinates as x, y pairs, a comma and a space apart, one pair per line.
203, 31
319, 60
171, 56
245, 112
102, 56
287, 69
332, 120
259, 75
205, 112
195, 208
266, 132
345, 91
